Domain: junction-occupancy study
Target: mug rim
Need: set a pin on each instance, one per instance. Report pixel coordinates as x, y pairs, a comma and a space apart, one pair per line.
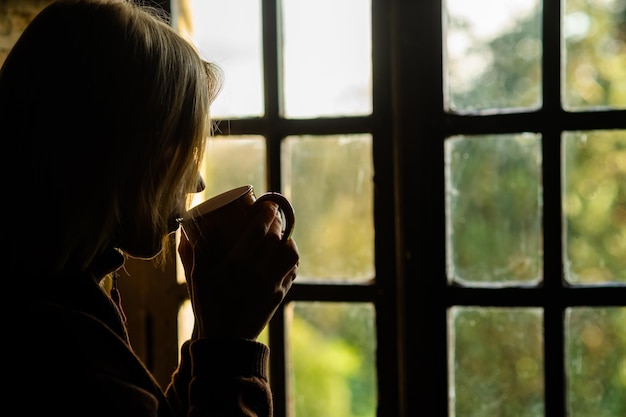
229, 195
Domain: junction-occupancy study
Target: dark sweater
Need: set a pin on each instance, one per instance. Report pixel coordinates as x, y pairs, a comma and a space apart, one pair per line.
69, 355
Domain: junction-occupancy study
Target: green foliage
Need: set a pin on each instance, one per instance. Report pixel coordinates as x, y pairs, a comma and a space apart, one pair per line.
511, 76
332, 360
329, 179
509, 366
596, 365
595, 71
328, 364
232, 161
494, 198
595, 205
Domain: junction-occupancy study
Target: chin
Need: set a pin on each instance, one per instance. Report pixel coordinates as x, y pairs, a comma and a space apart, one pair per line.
142, 255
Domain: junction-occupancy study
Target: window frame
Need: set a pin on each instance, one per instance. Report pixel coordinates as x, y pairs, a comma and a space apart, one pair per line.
427, 294
274, 128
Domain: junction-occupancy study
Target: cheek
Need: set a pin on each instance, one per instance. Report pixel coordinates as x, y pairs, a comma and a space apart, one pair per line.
143, 243
145, 249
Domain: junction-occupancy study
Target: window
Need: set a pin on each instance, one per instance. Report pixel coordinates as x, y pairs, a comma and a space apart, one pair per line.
458, 171
496, 245
296, 116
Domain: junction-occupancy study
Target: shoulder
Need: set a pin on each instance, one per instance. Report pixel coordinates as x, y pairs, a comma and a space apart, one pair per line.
71, 362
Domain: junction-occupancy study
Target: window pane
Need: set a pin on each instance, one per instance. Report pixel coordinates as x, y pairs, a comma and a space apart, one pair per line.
492, 52
327, 58
332, 359
501, 377
329, 181
596, 362
493, 209
232, 161
595, 54
595, 206
228, 33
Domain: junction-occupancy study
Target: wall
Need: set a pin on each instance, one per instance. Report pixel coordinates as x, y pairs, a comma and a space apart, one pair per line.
14, 17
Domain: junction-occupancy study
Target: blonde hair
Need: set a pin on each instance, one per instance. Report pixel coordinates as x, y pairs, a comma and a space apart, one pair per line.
104, 110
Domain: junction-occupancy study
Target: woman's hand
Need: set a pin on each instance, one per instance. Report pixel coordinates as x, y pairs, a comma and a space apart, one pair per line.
236, 294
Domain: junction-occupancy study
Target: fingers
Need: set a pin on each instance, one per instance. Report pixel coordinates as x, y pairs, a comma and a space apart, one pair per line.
273, 258
286, 261
262, 233
288, 280
264, 220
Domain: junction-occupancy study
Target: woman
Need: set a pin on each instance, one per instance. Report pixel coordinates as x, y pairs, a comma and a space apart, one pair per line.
104, 115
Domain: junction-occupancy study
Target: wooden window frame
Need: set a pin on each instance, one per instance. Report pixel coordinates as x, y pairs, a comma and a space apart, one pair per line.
422, 127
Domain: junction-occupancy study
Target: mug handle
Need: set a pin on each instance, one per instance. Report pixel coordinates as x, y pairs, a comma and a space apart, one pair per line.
286, 209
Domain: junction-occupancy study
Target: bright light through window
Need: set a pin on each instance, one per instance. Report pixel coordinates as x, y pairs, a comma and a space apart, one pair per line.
326, 56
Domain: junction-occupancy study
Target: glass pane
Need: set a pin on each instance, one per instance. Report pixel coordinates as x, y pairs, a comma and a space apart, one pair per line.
596, 362
327, 58
329, 181
595, 206
228, 33
332, 348
501, 377
493, 209
231, 161
492, 51
595, 54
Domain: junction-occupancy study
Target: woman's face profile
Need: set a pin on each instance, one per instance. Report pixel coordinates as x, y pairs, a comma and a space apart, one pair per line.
143, 241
